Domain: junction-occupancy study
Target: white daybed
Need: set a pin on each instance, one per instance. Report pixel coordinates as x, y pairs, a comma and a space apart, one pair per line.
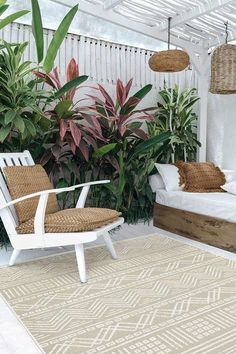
207, 217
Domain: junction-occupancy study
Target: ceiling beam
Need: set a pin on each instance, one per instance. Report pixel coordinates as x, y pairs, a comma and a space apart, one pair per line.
220, 40
200, 10
110, 4
110, 16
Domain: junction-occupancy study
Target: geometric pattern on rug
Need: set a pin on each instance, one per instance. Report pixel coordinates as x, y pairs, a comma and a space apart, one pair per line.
161, 296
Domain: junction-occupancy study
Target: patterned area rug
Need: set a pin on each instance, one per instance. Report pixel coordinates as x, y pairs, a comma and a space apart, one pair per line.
161, 296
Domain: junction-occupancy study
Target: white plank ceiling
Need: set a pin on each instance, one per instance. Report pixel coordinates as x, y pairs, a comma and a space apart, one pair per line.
197, 21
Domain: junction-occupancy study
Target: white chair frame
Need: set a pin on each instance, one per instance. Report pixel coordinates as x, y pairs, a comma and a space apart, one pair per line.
40, 238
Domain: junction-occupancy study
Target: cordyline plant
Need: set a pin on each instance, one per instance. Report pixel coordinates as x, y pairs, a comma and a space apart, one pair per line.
120, 119
71, 131
125, 157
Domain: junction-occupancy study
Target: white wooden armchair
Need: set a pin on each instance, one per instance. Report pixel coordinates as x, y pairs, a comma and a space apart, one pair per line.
40, 238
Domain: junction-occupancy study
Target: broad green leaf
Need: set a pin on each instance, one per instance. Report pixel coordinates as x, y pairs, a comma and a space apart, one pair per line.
58, 38
135, 125
11, 44
63, 107
112, 188
70, 85
3, 8
37, 29
9, 116
134, 100
143, 92
30, 126
45, 123
20, 48
147, 145
23, 67
104, 150
19, 123
4, 133
9, 19
35, 108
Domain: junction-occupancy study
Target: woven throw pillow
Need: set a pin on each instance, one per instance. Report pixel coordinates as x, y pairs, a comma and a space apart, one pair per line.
73, 220
23, 180
200, 177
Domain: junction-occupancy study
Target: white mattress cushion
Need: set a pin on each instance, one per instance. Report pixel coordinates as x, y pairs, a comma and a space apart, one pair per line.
219, 205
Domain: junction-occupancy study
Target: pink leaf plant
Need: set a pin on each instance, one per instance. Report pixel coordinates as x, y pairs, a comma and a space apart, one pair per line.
120, 115
70, 123
53, 78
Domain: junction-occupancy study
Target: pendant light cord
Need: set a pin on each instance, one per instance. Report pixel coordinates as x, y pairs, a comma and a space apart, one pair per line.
169, 21
226, 31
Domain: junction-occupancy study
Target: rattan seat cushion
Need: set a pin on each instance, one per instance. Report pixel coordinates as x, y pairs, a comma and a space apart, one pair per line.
24, 180
73, 220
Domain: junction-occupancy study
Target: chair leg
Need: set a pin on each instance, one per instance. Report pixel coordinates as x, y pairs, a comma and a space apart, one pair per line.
109, 244
14, 255
79, 250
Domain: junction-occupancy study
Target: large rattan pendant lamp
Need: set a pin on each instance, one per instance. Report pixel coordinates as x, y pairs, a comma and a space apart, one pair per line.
171, 60
223, 68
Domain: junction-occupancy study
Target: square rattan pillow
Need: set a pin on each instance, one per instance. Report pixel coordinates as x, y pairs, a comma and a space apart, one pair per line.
201, 177
23, 180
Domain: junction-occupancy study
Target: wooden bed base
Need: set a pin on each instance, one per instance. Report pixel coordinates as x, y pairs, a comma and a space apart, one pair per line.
213, 231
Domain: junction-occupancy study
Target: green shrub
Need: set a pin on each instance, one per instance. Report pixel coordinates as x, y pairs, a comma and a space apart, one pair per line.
176, 115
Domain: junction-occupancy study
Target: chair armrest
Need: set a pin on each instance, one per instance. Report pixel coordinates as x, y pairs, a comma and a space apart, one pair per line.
49, 191
39, 229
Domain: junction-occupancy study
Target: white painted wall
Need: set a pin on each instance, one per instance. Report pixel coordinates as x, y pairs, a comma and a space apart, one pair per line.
221, 130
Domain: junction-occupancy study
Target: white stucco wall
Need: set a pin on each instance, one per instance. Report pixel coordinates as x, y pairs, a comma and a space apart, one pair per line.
221, 130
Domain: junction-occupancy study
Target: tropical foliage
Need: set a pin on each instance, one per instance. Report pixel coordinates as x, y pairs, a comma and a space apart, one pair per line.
104, 139
48, 59
20, 113
71, 131
125, 156
21, 116
176, 115
10, 18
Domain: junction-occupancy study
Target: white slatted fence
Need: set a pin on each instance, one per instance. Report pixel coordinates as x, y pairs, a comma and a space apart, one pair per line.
102, 61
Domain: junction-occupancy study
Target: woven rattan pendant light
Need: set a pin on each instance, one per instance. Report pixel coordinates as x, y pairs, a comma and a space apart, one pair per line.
171, 60
223, 68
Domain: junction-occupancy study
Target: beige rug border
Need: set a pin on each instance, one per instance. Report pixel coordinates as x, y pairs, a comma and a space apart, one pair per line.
72, 251
183, 240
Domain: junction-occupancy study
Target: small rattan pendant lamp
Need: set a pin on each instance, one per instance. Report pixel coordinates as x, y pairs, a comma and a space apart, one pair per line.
223, 68
171, 60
